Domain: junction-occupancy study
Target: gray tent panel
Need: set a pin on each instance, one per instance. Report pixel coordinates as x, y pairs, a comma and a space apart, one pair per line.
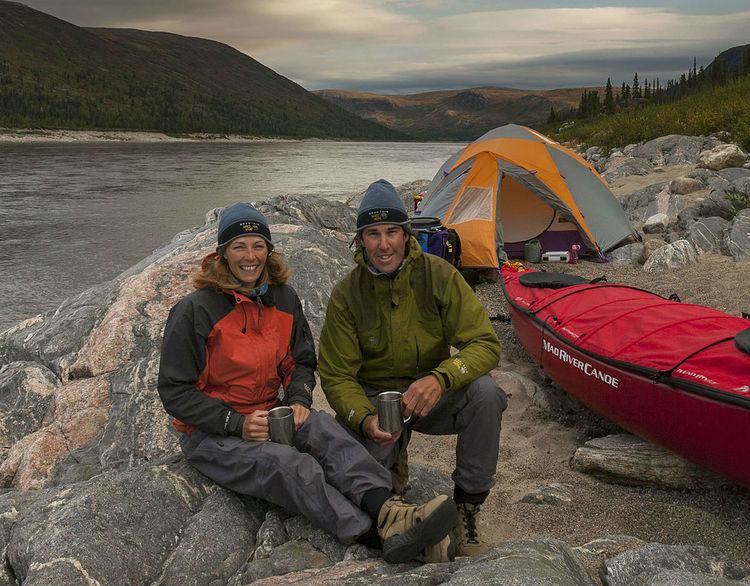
443, 171
438, 202
601, 210
509, 131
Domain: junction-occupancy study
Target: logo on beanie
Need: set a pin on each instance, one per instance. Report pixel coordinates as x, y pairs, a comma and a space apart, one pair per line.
378, 215
250, 226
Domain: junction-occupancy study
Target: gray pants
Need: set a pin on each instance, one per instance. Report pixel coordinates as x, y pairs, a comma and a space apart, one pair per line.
473, 413
324, 478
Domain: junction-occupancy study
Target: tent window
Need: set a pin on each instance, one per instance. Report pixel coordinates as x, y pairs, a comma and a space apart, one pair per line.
475, 204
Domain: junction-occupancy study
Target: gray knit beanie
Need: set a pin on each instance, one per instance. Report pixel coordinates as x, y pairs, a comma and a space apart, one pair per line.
241, 219
381, 205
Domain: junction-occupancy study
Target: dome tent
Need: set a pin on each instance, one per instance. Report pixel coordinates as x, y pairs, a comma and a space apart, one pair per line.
513, 185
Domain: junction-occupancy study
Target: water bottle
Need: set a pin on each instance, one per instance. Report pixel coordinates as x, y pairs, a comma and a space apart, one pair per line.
573, 255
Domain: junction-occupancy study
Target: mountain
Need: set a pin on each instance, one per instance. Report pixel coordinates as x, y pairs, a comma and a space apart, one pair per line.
457, 114
57, 75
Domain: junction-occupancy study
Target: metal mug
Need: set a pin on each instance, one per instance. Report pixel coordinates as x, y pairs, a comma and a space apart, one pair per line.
390, 412
281, 425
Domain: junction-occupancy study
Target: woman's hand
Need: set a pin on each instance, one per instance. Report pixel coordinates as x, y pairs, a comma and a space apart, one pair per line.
301, 413
255, 427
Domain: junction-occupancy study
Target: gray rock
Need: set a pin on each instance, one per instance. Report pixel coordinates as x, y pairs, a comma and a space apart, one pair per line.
552, 494
292, 556
118, 528
672, 256
316, 212
738, 236
702, 175
299, 528
630, 460
707, 234
521, 562
648, 248
656, 224
26, 390
646, 202
721, 157
214, 545
685, 185
734, 174
619, 167
636, 567
717, 203
628, 253
609, 546
674, 149
683, 578
271, 534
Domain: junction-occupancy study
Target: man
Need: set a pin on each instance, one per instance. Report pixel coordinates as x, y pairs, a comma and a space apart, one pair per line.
389, 325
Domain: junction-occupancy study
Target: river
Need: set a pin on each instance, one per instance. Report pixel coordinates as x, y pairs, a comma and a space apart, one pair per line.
76, 214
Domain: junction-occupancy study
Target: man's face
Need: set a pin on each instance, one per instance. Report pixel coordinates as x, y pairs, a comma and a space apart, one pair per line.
385, 245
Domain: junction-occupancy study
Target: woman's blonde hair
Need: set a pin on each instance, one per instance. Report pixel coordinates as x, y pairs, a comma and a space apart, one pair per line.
214, 272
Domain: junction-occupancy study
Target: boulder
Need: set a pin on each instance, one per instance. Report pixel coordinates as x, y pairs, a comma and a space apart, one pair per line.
707, 234
524, 561
672, 256
656, 224
628, 253
618, 167
629, 460
646, 202
673, 149
637, 567
721, 157
685, 185
738, 236
648, 248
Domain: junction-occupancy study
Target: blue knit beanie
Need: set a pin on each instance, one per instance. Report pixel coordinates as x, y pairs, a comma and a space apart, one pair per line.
241, 219
381, 205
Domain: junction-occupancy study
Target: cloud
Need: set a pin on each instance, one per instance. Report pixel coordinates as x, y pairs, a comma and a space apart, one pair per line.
403, 45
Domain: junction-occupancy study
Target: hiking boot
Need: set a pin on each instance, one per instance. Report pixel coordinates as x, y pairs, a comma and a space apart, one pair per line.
443, 551
406, 529
468, 540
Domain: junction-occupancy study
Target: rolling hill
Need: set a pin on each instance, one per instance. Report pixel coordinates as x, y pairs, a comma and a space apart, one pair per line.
54, 74
456, 114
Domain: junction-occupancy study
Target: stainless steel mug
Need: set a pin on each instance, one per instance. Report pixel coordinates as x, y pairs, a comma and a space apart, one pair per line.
390, 412
281, 425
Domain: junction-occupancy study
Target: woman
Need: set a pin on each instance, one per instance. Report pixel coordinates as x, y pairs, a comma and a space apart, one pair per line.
227, 349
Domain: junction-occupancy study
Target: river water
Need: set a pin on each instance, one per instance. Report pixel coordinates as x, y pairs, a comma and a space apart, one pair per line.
76, 214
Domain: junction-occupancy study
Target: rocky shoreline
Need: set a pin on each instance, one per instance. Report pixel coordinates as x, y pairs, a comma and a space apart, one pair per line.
44, 135
95, 490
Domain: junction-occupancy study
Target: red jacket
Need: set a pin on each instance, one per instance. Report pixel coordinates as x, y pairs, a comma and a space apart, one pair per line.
224, 355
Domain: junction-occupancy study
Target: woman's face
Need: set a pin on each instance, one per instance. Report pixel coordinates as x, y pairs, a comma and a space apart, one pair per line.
246, 257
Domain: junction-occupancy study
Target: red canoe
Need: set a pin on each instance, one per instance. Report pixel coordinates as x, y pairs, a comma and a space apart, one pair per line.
674, 373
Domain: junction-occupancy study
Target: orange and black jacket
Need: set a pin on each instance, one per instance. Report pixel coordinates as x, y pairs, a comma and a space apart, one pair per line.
225, 355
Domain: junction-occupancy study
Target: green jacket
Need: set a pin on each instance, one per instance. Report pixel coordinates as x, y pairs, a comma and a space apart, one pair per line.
386, 332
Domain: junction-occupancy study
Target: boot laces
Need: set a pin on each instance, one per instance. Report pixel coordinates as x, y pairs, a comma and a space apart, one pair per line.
470, 515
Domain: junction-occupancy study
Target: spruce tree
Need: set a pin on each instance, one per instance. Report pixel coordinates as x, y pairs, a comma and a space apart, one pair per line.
636, 91
609, 100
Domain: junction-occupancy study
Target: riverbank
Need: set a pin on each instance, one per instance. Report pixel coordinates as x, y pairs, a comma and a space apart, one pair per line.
62, 135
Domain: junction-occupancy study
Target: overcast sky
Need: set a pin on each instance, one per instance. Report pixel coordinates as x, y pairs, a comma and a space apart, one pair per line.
392, 46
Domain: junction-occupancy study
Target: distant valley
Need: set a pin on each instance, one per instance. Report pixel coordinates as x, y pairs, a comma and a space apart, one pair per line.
457, 114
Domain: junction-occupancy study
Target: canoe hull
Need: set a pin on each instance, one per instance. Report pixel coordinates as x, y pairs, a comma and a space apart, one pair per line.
709, 432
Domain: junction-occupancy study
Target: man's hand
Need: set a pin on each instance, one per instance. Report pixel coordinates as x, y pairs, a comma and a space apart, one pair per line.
422, 395
301, 413
255, 427
380, 437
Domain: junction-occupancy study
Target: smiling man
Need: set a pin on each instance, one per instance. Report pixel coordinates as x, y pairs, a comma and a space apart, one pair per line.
390, 325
